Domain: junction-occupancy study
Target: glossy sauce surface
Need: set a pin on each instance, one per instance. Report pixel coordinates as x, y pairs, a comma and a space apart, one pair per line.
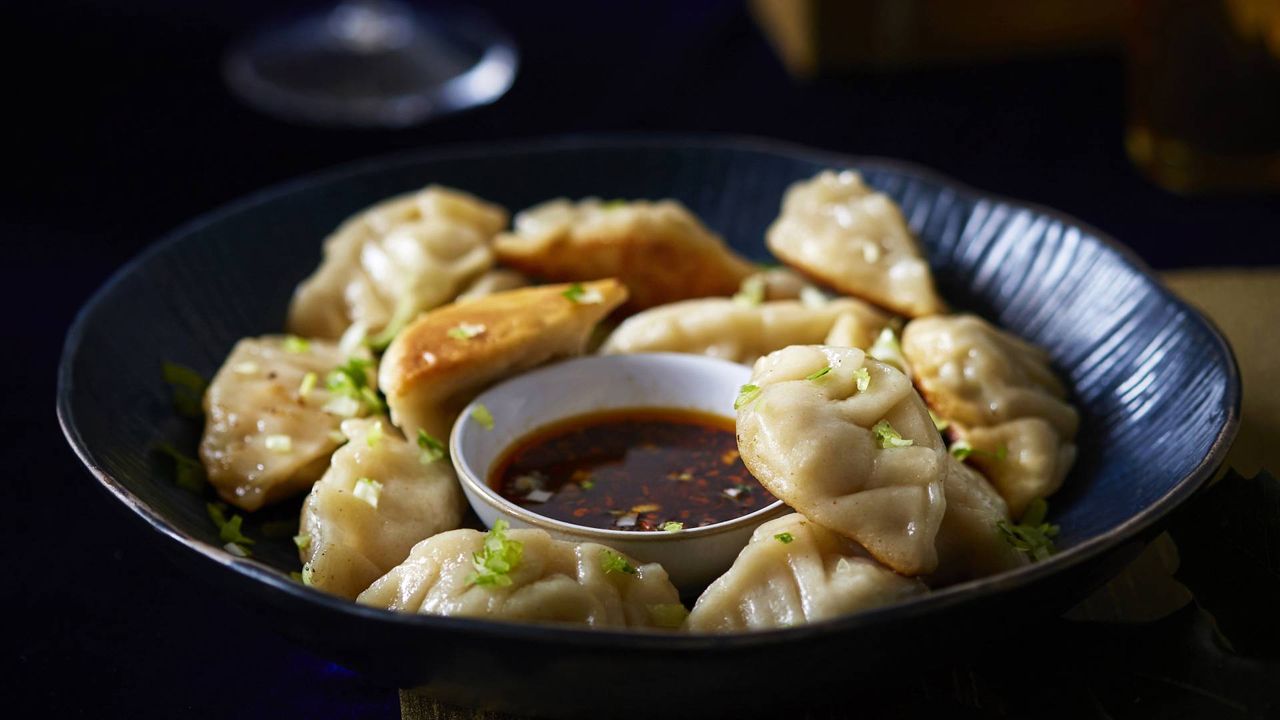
636, 469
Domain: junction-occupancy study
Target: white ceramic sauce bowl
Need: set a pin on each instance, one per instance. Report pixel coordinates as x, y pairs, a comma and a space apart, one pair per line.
692, 557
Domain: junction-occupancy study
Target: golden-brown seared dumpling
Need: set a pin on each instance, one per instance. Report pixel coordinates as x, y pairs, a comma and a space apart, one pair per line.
741, 332
659, 250
792, 572
838, 230
1001, 396
270, 419
846, 441
969, 543
524, 575
449, 355
388, 263
381, 495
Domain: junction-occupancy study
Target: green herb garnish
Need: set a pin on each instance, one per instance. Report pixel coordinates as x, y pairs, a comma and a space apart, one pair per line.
368, 490
582, 295
672, 526
746, 395
481, 414
962, 449
306, 576
375, 434
465, 331
938, 422
308, 384
611, 561
863, 376
303, 541
751, 292
351, 380
818, 373
188, 388
785, 538
1032, 535
888, 350
228, 528
497, 558
668, 615
888, 437
296, 345
188, 473
432, 449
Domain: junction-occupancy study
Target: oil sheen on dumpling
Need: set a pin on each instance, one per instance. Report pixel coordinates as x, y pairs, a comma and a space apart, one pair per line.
865, 462
969, 543
838, 230
1002, 397
264, 438
551, 581
449, 355
380, 496
659, 250
794, 571
388, 263
738, 331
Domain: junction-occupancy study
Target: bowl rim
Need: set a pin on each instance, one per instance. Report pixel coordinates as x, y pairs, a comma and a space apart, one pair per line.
470, 479
634, 639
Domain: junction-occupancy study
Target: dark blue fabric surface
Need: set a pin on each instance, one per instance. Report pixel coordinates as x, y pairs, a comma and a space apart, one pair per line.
123, 130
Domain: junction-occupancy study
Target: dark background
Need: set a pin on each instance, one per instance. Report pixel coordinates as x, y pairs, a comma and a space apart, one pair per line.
119, 129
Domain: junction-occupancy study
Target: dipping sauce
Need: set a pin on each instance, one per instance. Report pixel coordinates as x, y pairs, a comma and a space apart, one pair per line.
635, 469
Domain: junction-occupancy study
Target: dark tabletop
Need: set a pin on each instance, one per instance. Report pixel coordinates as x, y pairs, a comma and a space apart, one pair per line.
121, 129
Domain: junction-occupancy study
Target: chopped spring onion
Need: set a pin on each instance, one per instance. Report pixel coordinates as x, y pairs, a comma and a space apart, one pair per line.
375, 434
247, 367
481, 414
888, 437
308, 575
961, 449
668, 615
611, 562
368, 490
751, 292
432, 449
817, 374
736, 491
1032, 535
296, 345
888, 350
342, 406
228, 529
496, 558
282, 444
188, 388
939, 422
237, 550
672, 526
863, 377
581, 295
785, 538
352, 380
188, 473
746, 395
303, 541
308, 384
465, 331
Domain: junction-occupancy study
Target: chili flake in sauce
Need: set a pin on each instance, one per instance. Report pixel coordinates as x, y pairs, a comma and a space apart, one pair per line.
635, 469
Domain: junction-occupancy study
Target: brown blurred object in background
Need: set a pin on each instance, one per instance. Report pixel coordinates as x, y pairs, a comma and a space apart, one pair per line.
1204, 94
833, 36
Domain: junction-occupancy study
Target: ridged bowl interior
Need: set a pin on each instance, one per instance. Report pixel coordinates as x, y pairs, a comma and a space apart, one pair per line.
1155, 383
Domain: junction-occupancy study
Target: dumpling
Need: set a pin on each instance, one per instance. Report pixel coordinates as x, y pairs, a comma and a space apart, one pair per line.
449, 355
461, 573
1025, 459
495, 281
381, 496
388, 263
740, 332
969, 543
792, 572
846, 441
659, 250
270, 419
983, 380
838, 230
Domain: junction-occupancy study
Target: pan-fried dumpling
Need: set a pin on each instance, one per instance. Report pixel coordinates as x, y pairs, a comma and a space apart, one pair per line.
449, 355
381, 496
737, 331
1001, 396
1025, 459
495, 281
524, 575
794, 571
838, 230
388, 263
969, 543
659, 250
270, 418
846, 441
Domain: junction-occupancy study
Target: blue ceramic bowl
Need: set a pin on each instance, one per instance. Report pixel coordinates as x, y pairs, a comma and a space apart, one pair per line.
1156, 384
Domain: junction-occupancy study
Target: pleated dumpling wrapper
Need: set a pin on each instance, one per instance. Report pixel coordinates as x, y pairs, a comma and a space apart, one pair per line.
794, 571
271, 417
1003, 400
659, 250
846, 441
446, 357
394, 260
970, 544
738, 331
381, 495
526, 576
836, 229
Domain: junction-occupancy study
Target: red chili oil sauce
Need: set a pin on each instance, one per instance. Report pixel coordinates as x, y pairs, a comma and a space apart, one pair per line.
635, 469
